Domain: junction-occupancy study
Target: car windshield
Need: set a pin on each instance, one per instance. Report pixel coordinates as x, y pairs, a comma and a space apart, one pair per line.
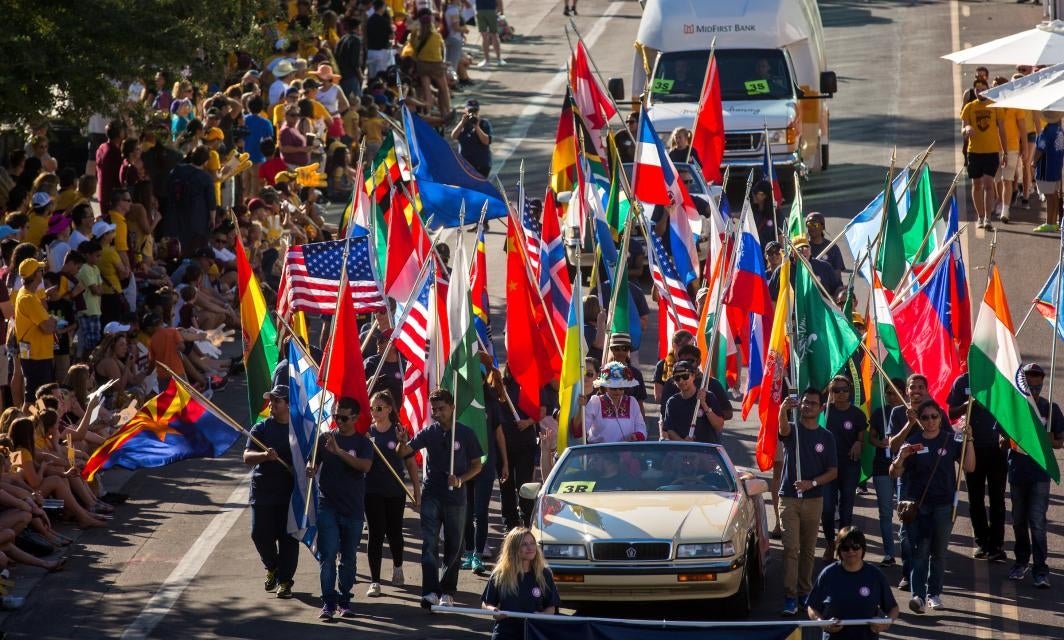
642, 467
745, 74
695, 186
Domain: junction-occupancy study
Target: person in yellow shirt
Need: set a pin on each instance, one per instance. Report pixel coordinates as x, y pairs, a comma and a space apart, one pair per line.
121, 201
985, 143
40, 212
34, 328
1013, 129
68, 194
112, 273
291, 99
431, 69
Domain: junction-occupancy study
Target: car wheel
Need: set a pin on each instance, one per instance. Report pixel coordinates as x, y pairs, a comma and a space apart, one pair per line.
757, 579
740, 604
823, 157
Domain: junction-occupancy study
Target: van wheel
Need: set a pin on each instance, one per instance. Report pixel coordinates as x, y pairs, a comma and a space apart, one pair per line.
823, 157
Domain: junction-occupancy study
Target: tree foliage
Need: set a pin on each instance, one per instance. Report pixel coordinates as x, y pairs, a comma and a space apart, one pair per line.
69, 58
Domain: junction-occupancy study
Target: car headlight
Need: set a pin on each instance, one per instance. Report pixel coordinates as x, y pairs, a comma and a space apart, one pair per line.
705, 550
565, 551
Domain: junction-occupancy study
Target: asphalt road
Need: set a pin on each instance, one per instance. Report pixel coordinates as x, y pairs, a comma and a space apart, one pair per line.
178, 561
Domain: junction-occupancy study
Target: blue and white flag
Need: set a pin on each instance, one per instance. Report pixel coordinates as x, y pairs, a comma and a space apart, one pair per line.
305, 399
862, 231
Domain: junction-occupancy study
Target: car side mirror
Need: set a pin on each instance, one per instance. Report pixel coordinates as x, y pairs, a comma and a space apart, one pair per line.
530, 490
616, 88
829, 83
755, 487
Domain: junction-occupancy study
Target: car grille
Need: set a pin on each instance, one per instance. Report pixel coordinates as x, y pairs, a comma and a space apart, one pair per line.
742, 141
631, 551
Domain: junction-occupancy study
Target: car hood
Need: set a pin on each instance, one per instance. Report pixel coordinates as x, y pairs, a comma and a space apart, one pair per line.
738, 114
701, 516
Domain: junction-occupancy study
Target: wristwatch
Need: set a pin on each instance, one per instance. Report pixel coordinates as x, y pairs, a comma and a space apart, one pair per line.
814, 484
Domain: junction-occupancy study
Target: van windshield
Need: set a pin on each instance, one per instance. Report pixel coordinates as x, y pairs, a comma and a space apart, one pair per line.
745, 74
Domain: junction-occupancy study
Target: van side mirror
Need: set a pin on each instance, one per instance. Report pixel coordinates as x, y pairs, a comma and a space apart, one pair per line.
829, 83
616, 88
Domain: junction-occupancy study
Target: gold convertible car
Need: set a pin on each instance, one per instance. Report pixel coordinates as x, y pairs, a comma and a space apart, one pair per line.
652, 521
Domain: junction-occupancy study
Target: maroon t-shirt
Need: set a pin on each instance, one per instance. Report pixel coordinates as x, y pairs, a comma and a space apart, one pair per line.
108, 164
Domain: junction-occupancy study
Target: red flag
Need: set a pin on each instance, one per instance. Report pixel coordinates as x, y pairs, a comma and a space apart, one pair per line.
407, 247
532, 355
341, 365
592, 101
708, 140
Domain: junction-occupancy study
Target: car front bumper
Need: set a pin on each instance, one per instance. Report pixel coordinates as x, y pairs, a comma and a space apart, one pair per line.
612, 583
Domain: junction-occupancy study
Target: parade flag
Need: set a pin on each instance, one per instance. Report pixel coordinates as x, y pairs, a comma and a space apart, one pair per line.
1046, 300
919, 220
445, 179
412, 342
673, 299
888, 348
530, 347
796, 218
708, 134
770, 394
259, 335
998, 382
591, 99
563, 158
890, 255
357, 213
823, 339
572, 376
310, 407
343, 372
554, 271
310, 279
172, 426
618, 207
408, 244
768, 173
924, 324
861, 232
748, 289
478, 291
461, 373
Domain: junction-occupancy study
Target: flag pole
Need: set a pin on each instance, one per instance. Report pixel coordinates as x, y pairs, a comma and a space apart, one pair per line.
701, 98
454, 421
927, 236
523, 248
1054, 338
622, 263
202, 399
879, 345
922, 158
795, 364
1030, 309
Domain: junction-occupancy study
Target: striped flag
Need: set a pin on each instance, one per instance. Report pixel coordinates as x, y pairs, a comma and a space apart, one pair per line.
259, 335
310, 279
532, 230
572, 375
554, 272
680, 311
305, 399
412, 341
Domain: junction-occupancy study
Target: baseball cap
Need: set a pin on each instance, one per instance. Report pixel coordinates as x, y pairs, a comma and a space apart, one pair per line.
472, 104
41, 200
29, 267
1029, 368
684, 366
6, 231
113, 327
279, 391
100, 227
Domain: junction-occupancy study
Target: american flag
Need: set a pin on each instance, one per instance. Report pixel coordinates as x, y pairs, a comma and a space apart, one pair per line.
681, 312
412, 341
310, 280
532, 230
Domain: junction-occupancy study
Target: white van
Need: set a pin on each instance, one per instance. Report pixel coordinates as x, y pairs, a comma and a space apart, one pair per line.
770, 56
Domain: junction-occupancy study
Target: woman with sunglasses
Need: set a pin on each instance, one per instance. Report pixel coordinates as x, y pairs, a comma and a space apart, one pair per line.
925, 464
614, 416
385, 499
677, 421
852, 589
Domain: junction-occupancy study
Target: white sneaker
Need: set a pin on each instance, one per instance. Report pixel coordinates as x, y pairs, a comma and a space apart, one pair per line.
429, 600
935, 602
374, 590
502, 63
398, 579
482, 64
447, 601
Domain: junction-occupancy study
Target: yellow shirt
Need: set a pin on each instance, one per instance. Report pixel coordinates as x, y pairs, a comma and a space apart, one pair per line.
121, 231
30, 312
981, 118
36, 227
373, 129
66, 199
350, 121
431, 50
108, 266
1009, 122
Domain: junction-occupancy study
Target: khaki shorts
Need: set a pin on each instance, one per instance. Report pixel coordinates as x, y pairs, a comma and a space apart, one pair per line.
1011, 169
487, 21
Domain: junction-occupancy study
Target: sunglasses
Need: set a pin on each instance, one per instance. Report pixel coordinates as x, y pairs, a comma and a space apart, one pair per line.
340, 418
930, 416
620, 347
378, 408
814, 224
681, 377
850, 547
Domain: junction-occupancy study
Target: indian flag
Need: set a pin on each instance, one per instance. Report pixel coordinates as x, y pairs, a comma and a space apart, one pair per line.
259, 334
998, 383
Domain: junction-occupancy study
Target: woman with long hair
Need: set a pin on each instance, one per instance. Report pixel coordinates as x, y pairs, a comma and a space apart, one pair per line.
520, 582
385, 499
25, 466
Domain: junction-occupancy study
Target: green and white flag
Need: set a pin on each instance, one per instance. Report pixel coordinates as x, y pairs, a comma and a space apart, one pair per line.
824, 339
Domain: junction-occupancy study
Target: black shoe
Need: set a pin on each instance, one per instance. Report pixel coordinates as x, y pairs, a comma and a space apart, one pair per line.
980, 554
236, 366
284, 590
565, 12
112, 497
997, 555
271, 580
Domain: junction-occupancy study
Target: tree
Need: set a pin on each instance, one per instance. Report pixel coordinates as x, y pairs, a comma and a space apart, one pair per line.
69, 58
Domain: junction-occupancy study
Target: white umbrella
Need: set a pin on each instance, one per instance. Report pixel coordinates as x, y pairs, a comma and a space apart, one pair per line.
1042, 45
1041, 91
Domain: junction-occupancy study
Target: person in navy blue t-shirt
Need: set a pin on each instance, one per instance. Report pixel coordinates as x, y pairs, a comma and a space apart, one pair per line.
520, 583
852, 589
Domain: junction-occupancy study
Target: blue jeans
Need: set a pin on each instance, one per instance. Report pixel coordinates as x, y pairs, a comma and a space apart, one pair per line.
478, 499
337, 534
841, 491
929, 539
885, 500
451, 517
1030, 501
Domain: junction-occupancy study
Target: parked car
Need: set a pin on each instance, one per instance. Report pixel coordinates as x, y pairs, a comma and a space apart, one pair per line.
652, 521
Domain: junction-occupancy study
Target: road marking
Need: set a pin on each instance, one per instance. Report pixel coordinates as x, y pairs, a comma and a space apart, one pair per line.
186, 570
516, 135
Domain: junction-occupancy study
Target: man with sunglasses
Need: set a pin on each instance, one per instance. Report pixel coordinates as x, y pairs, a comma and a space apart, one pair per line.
676, 421
818, 242
847, 423
344, 457
852, 589
621, 351
903, 419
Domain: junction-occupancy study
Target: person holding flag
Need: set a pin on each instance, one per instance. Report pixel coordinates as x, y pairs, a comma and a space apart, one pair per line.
272, 484
454, 459
848, 424
1030, 489
880, 472
678, 420
615, 415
